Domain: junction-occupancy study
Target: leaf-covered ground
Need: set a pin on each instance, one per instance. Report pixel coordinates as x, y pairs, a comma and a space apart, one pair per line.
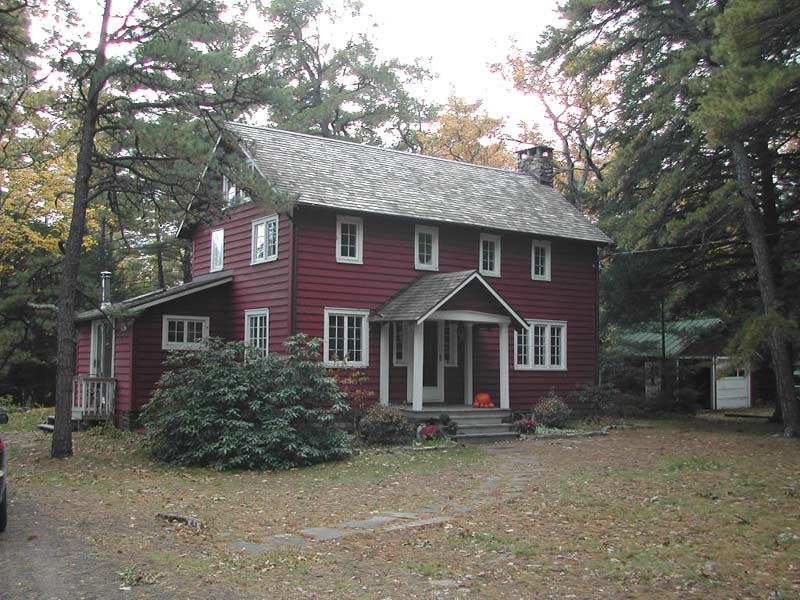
695, 508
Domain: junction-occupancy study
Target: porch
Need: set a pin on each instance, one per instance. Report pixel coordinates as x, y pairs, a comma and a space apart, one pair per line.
93, 398
430, 327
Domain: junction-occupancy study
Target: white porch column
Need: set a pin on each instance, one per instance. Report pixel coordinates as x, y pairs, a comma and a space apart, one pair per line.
416, 394
468, 364
504, 398
384, 374
408, 340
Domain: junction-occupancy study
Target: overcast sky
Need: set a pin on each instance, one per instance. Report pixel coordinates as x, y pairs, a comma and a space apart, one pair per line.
462, 39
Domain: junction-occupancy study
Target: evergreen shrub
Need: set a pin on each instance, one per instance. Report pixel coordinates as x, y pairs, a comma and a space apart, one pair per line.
225, 407
386, 425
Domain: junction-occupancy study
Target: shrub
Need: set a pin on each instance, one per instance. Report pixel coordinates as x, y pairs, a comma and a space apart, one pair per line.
431, 431
527, 426
225, 407
386, 425
448, 426
551, 410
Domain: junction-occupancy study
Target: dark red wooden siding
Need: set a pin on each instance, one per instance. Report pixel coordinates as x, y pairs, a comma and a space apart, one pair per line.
147, 331
123, 363
389, 267
83, 348
264, 285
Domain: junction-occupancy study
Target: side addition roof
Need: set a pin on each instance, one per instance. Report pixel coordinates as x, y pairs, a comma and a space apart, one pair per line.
347, 176
136, 305
430, 292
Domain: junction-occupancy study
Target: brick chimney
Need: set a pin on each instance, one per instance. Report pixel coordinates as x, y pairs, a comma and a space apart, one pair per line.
538, 163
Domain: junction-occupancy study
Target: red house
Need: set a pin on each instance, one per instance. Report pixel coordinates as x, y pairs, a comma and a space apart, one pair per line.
439, 279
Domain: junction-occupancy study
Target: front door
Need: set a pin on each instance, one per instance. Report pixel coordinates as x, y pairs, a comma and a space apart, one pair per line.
430, 363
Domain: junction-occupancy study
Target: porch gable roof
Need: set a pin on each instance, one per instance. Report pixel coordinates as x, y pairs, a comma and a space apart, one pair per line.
429, 293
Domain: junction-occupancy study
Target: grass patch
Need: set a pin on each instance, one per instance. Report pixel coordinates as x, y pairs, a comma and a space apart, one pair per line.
26, 420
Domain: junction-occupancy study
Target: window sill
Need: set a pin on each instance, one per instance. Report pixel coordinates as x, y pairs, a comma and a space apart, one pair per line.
547, 369
426, 267
263, 260
541, 278
344, 365
349, 261
489, 273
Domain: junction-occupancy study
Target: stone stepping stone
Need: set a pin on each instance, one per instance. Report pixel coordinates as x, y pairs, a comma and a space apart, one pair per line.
250, 548
403, 515
464, 509
419, 523
369, 523
286, 539
322, 534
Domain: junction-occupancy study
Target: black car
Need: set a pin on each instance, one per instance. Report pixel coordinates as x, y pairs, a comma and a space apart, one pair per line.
3, 486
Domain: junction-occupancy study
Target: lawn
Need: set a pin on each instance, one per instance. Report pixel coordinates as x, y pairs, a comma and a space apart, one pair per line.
706, 508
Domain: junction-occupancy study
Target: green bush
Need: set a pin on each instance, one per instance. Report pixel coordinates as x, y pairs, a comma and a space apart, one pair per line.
551, 410
386, 425
225, 407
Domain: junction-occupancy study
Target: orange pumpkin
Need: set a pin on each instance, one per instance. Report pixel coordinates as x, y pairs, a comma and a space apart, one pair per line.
482, 400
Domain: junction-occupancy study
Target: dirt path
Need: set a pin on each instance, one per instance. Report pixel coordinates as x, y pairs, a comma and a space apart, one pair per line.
39, 561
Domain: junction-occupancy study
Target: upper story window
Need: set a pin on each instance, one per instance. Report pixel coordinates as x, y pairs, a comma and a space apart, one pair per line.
542, 347
233, 194
256, 330
183, 333
540, 260
217, 249
346, 342
489, 255
349, 240
426, 243
265, 240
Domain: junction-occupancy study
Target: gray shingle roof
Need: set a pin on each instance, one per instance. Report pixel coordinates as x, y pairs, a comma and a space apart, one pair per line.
429, 291
347, 176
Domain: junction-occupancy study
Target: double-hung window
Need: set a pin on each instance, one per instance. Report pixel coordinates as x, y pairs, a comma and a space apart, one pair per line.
349, 240
265, 240
540, 260
399, 350
217, 249
182, 332
346, 341
450, 344
542, 347
489, 256
256, 330
426, 248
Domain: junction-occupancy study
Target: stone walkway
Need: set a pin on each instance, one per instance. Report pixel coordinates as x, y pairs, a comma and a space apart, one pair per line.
517, 471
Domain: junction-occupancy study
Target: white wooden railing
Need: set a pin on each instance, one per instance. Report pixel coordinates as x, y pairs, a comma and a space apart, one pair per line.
93, 397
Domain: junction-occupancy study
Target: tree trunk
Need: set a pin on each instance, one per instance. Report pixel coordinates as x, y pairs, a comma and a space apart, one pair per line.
777, 339
68, 291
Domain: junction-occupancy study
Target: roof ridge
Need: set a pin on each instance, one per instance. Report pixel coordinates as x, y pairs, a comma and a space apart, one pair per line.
381, 148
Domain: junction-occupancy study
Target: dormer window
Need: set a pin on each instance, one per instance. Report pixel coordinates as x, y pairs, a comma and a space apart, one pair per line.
489, 255
232, 194
349, 240
426, 242
540, 260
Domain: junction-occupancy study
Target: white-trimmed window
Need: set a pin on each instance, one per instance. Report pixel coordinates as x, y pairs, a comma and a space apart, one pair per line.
256, 329
232, 194
346, 342
349, 240
489, 255
426, 248
265, 240
542, 347
179, 332
399, 353
217, 249
450, 344
540, 260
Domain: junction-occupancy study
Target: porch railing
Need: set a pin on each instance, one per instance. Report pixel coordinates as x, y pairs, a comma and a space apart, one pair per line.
93, 397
